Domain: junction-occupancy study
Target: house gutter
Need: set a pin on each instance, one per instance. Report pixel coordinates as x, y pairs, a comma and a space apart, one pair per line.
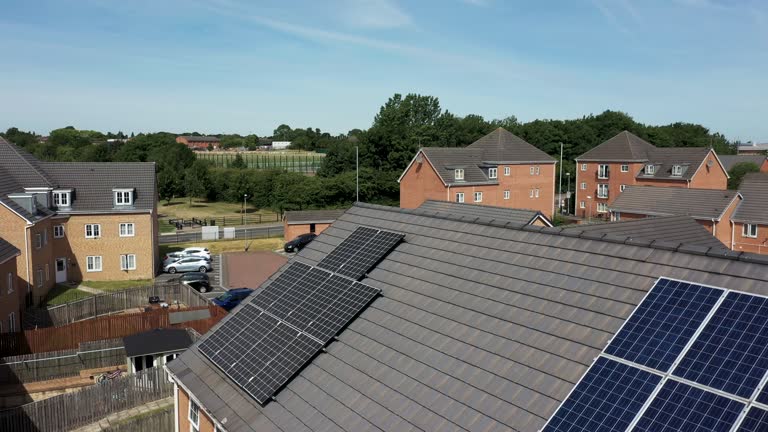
733, 234
175, 405
714, 228
26, 253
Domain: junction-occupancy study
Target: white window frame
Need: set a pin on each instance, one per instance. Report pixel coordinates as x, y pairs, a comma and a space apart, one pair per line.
506, 194
530, 193
493, 173
58, 231
194, 408
507, 171
602, 206
583, 204
583, 185
62, 198
39, 277
747, 229
122, 197
677, 170
95, 233
650, 169
622, 188
583, 167
10, 282
617, 216
458, 174
531, 170
536, 195
624, 168
538, 170
602, 190
90, 263
459, 197
478, 197
125, 262
602, 171
38, 241
126, 225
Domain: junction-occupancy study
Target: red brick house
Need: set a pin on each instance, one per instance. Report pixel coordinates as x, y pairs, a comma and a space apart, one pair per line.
199, 143
750, 221
10, 306
626, 160
710, 208
499, 169
296, 223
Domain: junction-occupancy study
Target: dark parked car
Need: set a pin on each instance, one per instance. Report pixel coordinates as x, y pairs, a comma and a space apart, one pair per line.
196, 280
232, 298
299, 242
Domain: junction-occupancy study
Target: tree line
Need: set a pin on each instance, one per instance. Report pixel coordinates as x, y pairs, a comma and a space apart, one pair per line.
402, 126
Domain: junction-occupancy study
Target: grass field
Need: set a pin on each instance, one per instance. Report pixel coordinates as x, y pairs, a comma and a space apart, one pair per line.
290, 160
222, 246
117, 285
180, 208
61, 294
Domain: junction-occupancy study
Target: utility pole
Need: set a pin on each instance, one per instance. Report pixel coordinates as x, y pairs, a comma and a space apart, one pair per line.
560, 200
357, 174
245, 197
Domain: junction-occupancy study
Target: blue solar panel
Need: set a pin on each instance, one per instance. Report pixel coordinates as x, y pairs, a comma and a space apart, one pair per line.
663, 323
680, 407
608, 397
763, 396
756, 420
731, 353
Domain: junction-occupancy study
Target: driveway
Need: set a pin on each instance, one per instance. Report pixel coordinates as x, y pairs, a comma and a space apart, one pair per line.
214, 276
251, 269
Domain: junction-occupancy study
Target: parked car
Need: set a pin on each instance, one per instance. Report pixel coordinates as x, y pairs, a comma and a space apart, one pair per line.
197, 251
172, 257
189, 264
232, 298
299, 242
196, 280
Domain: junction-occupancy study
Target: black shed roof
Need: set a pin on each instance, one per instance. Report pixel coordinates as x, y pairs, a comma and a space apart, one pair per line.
157, 341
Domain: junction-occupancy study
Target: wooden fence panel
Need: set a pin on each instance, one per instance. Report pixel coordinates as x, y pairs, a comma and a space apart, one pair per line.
89, 405
107, 327
160, 421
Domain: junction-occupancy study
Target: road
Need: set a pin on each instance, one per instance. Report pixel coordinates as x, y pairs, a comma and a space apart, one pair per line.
255, 232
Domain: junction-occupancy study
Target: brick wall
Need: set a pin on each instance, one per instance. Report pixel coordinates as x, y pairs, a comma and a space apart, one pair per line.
290, 232
110, 246
710, 177
421, 183
749, 244
615, 179
9, 298
182, 411
723, 226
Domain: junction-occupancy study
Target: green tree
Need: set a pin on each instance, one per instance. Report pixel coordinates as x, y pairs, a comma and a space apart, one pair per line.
196, 180
238, 162
738, 172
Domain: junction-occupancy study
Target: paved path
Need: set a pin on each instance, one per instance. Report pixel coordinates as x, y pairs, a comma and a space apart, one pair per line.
122, 416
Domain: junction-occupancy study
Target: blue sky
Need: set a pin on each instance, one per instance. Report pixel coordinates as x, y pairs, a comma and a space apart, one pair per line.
221, 66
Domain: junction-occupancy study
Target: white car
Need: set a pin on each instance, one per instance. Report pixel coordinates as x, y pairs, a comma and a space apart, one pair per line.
197, 251
189, 264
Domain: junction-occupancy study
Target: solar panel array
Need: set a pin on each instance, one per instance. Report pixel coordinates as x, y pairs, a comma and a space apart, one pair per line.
690, 357
279, 330
359, 252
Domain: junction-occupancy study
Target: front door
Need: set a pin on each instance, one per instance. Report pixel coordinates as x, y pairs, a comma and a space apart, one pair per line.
61, 270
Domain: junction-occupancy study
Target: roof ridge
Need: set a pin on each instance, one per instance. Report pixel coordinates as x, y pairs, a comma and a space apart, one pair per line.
16, 150
722, 253
466, 204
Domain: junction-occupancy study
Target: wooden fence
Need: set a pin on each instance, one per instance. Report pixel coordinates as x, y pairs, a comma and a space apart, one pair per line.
106, 327
89, 405
160, 421
60, 364
113, 302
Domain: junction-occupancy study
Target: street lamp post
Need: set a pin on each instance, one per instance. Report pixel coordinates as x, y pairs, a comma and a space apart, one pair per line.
568, 194
245, 197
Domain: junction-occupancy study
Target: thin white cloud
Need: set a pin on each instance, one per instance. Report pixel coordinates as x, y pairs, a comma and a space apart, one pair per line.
374, 14
610, 16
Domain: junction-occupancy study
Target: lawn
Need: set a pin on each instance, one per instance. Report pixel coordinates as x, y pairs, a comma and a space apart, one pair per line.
117, 285
218, 247
180, 208
61, 294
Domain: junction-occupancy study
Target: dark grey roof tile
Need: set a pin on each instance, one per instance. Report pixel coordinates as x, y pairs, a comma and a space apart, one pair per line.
668, 201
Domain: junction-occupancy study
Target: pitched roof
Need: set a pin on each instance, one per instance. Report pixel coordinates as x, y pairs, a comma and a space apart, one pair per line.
678, 229
157, 341
729, 161
497, 148
312, 216
754, 207
502, 146
7, 251
669, 201
191, 138
474, 212
624, 147
664, 158
93, 183
479, 327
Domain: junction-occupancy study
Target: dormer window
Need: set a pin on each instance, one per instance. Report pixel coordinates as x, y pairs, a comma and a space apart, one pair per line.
458, 174
493, 173
650, 169
677, 170
62, 198
123, 197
